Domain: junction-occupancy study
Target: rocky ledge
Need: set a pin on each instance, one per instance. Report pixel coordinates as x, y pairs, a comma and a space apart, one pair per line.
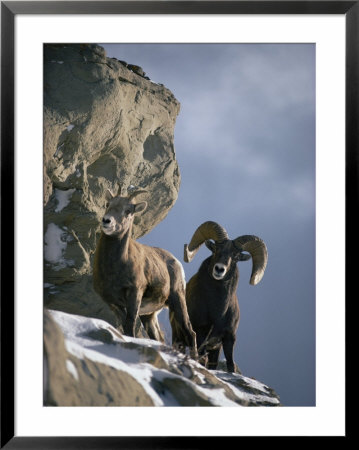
89, 363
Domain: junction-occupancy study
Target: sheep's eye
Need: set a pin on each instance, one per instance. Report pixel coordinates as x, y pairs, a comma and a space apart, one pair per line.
127, 212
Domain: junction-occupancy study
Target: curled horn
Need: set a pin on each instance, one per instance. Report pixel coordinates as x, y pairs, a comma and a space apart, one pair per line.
258, 251
118, 193
208, 230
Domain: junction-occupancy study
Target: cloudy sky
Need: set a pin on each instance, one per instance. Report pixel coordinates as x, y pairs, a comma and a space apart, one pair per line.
245, 144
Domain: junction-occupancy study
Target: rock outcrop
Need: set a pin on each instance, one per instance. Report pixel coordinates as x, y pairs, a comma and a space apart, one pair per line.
104, 123
89, 363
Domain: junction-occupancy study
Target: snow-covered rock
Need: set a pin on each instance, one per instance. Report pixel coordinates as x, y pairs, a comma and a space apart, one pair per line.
89, 363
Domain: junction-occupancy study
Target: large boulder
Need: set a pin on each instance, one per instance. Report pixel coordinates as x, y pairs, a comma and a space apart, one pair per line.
105, 124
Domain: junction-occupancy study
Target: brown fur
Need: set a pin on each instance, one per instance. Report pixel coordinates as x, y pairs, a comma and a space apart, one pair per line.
137, 279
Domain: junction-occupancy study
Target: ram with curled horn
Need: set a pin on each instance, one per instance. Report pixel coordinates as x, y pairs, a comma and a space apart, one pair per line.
137, 280
211, 296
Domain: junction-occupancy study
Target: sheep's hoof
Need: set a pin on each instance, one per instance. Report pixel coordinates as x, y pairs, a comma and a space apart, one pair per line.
212, 366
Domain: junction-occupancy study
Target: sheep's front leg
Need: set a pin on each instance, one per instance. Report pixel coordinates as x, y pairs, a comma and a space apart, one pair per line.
133, 303
152, 327
228, 346
213, 356
178, 310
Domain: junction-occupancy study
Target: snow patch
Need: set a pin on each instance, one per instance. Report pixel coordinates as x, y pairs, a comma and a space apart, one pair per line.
218, 397
55, 246
63, 198
70, 127
70, 366
254, 384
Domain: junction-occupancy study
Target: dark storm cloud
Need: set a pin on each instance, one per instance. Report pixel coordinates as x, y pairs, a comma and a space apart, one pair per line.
245, 143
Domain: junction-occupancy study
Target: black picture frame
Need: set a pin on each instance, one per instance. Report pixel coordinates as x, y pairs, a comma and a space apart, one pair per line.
9, 9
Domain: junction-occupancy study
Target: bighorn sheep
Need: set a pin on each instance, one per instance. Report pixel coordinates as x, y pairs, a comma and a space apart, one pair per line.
211, 293
137, 279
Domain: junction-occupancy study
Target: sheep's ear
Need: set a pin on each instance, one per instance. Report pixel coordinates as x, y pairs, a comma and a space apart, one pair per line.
210, 245
244, 256
139, 207
108, 195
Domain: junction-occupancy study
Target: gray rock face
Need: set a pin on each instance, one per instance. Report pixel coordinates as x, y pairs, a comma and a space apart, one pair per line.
104, 124
72, 381
89, 363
